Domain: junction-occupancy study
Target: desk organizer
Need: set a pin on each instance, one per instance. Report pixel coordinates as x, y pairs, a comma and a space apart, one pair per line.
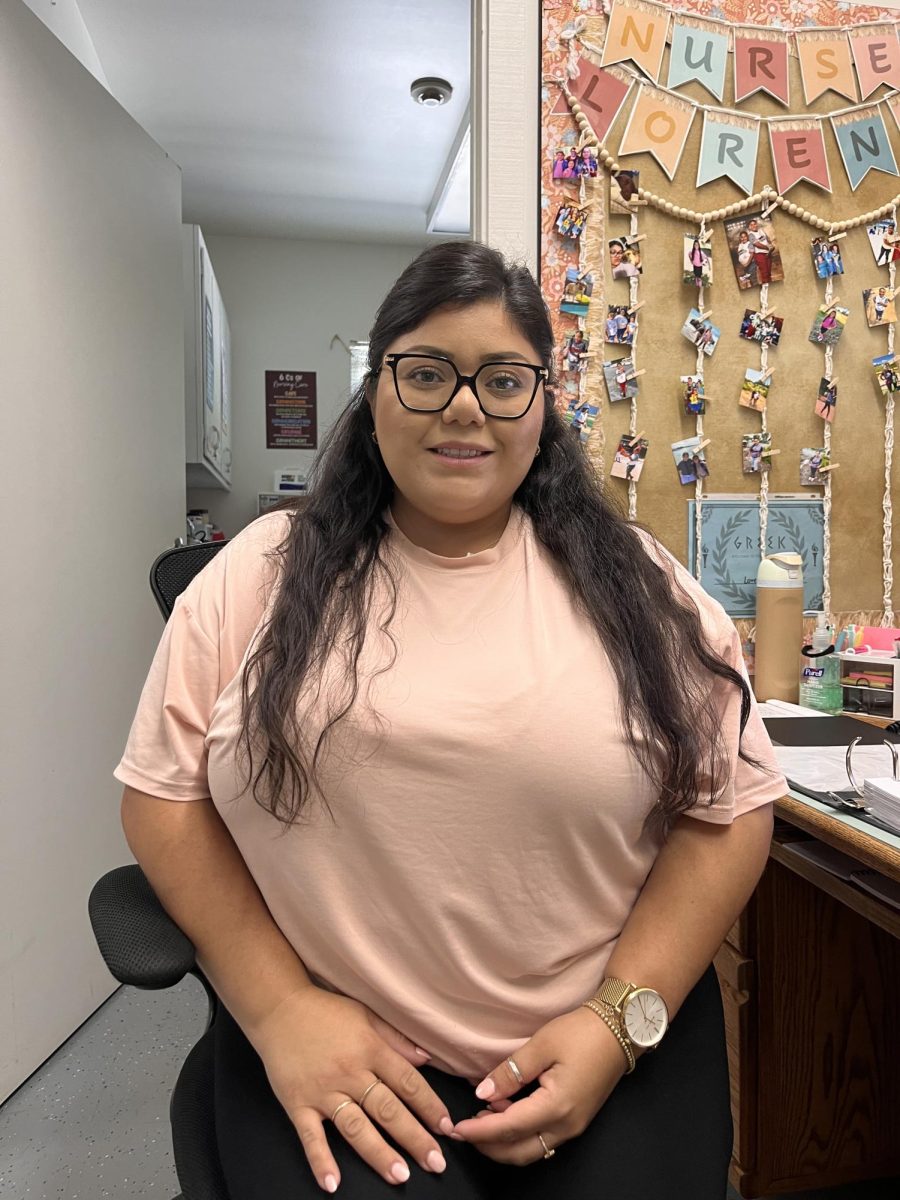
870, 684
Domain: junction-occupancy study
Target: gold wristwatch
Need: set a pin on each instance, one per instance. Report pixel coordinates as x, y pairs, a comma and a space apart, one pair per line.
641, 1012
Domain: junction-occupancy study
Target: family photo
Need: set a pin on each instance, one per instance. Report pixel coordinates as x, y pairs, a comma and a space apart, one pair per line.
692, 394
571, 220
828, 324
697, 261
757, 328
754, 390
690, 460
628, 461
572, 164
701, 333
826, 258
755, 449
619, 377
621, 325
754, 251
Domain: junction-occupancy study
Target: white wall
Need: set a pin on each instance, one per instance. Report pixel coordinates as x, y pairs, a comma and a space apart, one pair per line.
285, 300
91, 488
64, 18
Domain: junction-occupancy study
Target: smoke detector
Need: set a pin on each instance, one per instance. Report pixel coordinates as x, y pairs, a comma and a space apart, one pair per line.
431, 91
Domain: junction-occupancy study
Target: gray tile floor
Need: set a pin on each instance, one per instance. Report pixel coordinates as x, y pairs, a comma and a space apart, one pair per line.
93, 1122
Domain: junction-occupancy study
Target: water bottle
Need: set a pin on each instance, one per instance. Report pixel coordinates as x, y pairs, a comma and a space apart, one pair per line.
820, 672
779, 626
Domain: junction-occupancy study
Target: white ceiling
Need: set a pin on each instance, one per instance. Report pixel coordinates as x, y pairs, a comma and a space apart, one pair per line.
292, 118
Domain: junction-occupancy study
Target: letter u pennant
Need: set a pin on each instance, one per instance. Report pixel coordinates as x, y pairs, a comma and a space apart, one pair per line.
728, 148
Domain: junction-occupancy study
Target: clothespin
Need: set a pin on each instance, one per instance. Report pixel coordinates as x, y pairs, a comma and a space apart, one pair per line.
770, 453
704, 316
639, 238
832, 467
704, 444
770, 371
769, 208
833, 303
766, 312
835, 237
833, 382
635, 437
634, 307
635, 374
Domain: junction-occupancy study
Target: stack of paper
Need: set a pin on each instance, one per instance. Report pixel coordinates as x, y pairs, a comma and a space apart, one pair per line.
882, 796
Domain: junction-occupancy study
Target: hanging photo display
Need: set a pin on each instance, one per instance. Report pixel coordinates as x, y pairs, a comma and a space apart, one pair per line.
576, 297
690, 460
887, 373
624, 258
764, 328
826, 257
620, 381
826, 401
571, 220
879, 306
575, 351
884, 242
697, 265
812, 460
828, 324
692, 395
754, 390
628, 461
755, 449
580, 415
754, 250
701, 332
621, 325
623, 189
571, 165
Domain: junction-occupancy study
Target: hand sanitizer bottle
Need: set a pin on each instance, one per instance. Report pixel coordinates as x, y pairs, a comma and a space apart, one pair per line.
820, 672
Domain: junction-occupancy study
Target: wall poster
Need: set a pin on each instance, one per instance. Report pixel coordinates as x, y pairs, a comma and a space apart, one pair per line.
291, 410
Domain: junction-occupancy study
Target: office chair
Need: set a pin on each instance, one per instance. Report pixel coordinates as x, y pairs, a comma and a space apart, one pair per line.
142, 946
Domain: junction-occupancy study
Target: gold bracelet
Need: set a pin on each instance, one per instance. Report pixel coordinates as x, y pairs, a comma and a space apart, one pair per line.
611, 1025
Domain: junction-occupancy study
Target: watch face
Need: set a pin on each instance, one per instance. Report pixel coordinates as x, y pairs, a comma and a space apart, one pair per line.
646, 1017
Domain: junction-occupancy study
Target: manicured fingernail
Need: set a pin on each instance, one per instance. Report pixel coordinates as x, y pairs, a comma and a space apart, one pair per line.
457, 1137
330, 1183
445, 1125
435, 1161
400, 1172
423, 1053
485, 1089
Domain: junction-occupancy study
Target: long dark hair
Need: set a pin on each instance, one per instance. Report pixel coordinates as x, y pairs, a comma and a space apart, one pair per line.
333, 553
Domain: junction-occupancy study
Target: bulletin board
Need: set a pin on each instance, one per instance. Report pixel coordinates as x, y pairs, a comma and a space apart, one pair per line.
862, 554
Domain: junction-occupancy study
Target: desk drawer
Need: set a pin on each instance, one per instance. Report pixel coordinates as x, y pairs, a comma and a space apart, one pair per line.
737, 983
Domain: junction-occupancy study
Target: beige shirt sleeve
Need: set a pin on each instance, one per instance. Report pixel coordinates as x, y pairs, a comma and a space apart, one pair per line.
201, 648
747, 786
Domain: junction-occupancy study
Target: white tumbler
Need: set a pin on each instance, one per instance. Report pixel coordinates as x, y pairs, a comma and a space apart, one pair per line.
779, 627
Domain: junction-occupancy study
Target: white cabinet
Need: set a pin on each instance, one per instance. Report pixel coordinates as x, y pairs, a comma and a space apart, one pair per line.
207, 369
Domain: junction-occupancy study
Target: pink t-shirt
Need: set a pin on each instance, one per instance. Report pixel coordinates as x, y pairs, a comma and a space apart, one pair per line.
486, 843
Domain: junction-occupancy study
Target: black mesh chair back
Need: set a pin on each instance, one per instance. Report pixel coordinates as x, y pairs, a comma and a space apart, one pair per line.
175, 568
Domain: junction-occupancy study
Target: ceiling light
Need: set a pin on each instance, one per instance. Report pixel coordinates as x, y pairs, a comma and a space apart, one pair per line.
431, 91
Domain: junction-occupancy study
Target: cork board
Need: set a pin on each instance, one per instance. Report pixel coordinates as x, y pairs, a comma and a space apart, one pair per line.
664, 354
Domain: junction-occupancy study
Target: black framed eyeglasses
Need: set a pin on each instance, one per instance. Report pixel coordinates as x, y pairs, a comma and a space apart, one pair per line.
428, 383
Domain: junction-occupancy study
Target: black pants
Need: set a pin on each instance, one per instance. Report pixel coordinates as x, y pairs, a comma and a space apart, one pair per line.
664, 1134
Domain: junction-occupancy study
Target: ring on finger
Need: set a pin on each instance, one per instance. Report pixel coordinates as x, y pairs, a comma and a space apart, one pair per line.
343, 1104
548, 1153
375, 1082
511, 1063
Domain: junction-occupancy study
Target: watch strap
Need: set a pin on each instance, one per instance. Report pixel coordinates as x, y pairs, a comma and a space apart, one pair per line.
613, 992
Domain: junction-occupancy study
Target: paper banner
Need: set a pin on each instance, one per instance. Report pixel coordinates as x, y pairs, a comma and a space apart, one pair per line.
636, 32
601, 95
698, 53
658, 125
798, 152
825, 64
728, 149
876, 53
864, 145
893, 104
761, 64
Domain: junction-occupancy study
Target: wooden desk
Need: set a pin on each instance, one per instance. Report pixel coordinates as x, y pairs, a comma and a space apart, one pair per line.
810, 979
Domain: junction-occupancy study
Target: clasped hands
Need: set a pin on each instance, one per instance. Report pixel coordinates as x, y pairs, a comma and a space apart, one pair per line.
324, 1054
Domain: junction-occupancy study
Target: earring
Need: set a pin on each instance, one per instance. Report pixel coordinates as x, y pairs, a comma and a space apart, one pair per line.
374, 438
537, 452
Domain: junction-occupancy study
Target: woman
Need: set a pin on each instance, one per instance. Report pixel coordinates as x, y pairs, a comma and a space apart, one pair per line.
747, 276
404, 867
698, 261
